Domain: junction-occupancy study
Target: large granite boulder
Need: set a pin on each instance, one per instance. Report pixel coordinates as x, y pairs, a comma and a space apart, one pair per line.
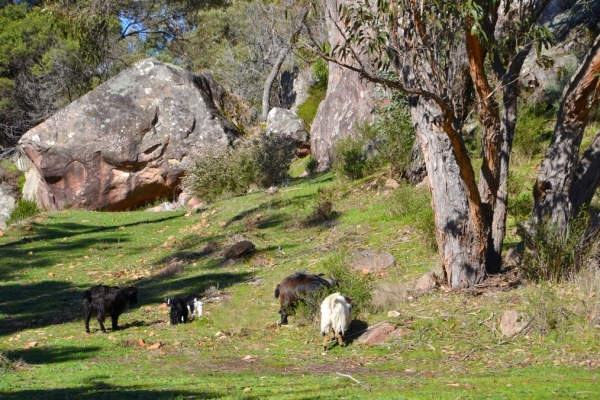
573, 24
126, 142
349, 101
286, 125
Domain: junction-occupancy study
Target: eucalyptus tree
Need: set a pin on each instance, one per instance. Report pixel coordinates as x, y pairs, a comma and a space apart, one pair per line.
432, 51
567, 181
40, 70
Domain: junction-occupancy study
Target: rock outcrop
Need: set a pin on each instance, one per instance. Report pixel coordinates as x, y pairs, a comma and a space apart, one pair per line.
294, 88
286, 124
572, 23
349, 101
126, 142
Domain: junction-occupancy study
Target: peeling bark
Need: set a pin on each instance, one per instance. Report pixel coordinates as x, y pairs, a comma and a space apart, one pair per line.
557, 181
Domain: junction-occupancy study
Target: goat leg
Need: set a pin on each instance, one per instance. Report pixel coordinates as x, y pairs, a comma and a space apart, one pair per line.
115, 321
101, 322
284, 320
340, 339
88, 316
325, 340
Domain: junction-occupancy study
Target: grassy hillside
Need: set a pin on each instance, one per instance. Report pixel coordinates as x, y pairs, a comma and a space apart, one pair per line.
235, 350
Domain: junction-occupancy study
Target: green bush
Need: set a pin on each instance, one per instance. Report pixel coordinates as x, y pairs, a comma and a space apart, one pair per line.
391, 134
547, 312
415, 208
23, 209
349, 159
388, 140
272, 158
323, 207
349, 283
215, 173
311, 165
316, 94
555, 257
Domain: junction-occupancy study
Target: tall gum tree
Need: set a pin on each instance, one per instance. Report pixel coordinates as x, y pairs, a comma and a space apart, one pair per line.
430, 51
567, 182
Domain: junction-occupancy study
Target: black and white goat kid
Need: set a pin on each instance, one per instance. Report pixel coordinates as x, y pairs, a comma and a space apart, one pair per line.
194, 305
179, 310
104, 301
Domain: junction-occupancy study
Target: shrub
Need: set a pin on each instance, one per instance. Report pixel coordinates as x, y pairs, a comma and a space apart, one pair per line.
388, 140
215, 173
349, 159
316, 94
350, 283
416, 208
311, 165
24, 209
272, 157
323, 207
547, 311
555, 257
391, 134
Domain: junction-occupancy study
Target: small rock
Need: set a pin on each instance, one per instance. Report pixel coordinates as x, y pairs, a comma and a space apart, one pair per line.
173, 268
426, 282
240, 249
272, 190
513, 322
369, 261
155, 346
377, 334
393, 314
424, 184
391, 183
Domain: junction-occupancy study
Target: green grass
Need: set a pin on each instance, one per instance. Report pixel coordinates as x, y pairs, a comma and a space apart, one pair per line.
455, 350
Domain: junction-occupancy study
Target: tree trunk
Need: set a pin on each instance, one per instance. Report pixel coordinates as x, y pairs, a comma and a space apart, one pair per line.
556, 180
461, 239
266, 103
281, 55
587, 177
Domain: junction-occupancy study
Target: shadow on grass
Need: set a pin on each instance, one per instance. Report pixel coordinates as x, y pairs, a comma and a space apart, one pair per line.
32, 251
356, 328
102, 390
39, 304
51, 355
154, 290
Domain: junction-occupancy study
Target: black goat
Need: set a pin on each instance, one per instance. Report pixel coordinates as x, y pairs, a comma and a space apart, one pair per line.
179, 310
104, 301
295, 288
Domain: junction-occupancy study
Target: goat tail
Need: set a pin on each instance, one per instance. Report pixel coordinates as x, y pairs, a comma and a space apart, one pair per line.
277, 291
87, 295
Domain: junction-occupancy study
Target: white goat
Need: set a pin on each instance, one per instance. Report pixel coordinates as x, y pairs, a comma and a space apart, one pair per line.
197, 311
336, 314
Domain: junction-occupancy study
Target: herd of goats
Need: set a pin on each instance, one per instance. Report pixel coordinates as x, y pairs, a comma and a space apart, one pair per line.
336, 309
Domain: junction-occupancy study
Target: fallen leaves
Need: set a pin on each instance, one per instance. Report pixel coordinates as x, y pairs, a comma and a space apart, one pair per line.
30, 345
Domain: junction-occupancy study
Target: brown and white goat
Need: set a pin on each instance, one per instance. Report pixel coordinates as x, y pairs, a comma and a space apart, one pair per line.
336, 314
295, 288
